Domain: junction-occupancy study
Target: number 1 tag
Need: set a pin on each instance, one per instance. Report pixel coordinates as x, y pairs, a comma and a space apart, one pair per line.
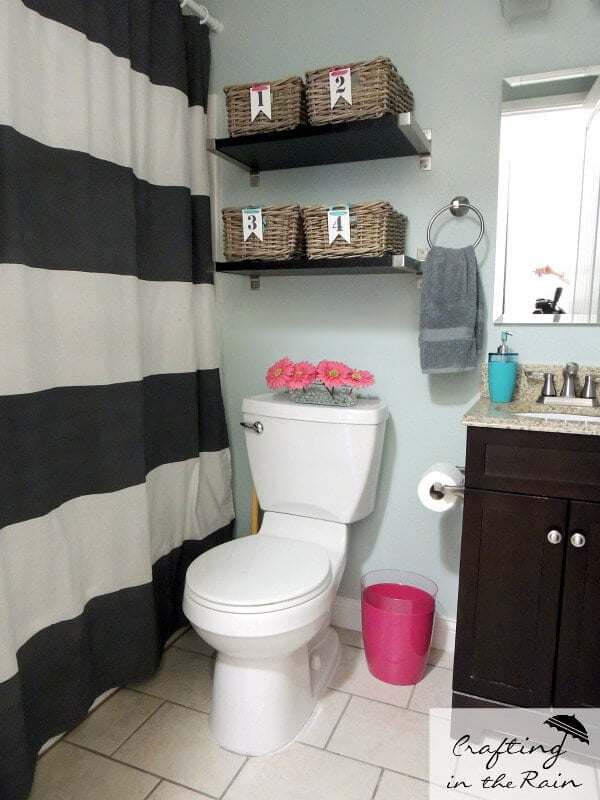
338, 223
260, 100
252, 223
340, 85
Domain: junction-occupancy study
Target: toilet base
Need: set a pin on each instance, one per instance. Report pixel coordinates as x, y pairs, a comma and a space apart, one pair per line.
261, 705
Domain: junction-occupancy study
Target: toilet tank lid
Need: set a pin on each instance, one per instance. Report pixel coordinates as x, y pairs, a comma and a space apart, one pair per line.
367, 411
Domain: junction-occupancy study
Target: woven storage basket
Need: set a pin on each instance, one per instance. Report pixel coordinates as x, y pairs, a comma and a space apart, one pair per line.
288, 107
283, 235
377, 89
375, 230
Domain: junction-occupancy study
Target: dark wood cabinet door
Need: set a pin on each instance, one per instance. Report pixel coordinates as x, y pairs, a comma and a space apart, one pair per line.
509, 597
578, 663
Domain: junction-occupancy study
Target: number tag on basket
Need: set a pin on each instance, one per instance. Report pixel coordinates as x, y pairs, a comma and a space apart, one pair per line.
340, 85
252, 223
260, 100
338, 223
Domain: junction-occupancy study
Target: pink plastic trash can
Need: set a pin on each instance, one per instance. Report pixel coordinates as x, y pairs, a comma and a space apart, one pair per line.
398, 609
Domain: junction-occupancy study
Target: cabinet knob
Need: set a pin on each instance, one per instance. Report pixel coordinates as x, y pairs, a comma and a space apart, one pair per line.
554, 536
577, 539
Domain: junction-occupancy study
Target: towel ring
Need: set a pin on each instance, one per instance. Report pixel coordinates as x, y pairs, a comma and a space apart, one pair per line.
458, 207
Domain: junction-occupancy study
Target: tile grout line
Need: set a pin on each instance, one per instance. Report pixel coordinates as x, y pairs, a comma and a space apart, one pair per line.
379, 779
346, 704
407, 775
371, 764
189, 650
151, 792
362, 761
230, 784
387, 702
410, 697
140, 769
127, 738
177, 635
168, 700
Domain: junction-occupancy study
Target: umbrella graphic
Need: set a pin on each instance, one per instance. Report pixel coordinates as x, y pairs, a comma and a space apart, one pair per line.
569, 725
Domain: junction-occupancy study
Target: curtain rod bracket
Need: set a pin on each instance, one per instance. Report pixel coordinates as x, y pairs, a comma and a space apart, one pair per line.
194, 9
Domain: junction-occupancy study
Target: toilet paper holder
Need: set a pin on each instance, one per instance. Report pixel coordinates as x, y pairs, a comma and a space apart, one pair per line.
438, 490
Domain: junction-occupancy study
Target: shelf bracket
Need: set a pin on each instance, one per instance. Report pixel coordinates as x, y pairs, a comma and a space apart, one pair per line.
211, 147
425, 160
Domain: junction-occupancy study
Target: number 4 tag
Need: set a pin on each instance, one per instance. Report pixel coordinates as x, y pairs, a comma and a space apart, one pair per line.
338, 223
340, 85
252, 223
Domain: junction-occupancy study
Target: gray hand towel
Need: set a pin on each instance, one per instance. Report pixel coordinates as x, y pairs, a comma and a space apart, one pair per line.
450, 330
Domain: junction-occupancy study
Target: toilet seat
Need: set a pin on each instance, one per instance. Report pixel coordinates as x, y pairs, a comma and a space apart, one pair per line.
257, 574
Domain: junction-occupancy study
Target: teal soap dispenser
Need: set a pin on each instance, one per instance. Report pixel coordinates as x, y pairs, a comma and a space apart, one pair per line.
502, 371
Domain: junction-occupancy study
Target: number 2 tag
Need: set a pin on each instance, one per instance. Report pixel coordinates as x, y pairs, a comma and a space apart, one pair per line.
338, 223
252, 223
340, 85
260, 100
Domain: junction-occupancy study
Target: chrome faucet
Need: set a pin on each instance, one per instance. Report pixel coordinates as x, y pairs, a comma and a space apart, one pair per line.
589, 388
569, 373
568, 394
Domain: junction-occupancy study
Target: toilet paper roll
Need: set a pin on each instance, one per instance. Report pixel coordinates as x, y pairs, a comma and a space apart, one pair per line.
443, 473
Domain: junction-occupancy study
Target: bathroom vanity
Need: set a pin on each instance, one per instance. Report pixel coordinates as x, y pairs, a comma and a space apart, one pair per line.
528, 622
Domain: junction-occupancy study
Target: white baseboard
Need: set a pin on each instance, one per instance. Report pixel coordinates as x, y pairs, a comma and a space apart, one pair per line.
346, 614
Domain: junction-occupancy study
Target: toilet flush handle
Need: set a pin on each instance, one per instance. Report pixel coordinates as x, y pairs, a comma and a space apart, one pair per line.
256, 426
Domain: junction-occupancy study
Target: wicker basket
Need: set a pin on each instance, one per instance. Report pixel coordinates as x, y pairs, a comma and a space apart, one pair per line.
377, 89
375, 230
288, 107
283, 235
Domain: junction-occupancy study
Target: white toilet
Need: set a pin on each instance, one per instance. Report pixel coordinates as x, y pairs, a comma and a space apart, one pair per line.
264, 602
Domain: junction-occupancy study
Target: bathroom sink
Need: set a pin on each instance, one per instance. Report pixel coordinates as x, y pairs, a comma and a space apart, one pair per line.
557, 416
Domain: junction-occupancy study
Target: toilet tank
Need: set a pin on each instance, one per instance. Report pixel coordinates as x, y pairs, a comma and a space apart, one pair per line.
315, 461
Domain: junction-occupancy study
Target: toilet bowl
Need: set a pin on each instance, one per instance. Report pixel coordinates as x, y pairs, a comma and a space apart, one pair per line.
264, 602
274, 656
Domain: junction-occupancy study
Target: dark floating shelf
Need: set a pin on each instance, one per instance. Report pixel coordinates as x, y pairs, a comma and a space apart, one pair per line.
382, 265
390, 136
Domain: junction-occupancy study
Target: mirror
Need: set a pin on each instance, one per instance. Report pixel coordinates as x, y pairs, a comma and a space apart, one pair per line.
548, 232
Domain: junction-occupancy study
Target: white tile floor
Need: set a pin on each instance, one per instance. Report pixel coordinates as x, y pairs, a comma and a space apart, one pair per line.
367, 740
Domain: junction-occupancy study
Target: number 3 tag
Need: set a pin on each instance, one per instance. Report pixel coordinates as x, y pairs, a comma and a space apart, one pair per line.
340, 85
338, 223
252, 223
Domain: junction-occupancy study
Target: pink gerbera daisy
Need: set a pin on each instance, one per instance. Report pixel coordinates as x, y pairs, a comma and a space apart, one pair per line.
279, 373
360, 377
333, 373
303, 374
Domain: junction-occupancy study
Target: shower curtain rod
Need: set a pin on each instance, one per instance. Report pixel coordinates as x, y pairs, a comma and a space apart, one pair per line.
194, 9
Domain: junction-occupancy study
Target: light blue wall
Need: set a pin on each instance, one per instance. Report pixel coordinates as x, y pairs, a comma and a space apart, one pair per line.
453, 54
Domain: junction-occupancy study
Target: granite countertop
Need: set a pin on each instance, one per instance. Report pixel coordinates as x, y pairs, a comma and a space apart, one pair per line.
484, 413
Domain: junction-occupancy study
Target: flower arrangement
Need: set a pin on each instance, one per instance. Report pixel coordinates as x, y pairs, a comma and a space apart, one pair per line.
329, 382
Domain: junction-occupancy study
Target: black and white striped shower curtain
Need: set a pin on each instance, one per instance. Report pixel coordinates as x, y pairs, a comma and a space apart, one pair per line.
114, 459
